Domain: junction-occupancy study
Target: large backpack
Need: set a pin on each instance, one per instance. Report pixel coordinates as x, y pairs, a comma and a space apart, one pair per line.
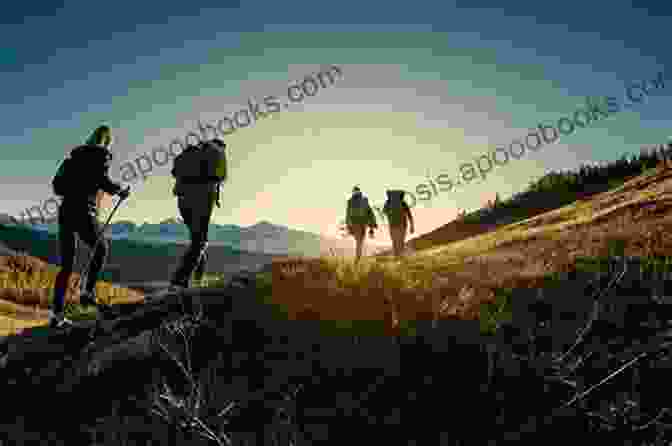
395, 208
200, 164
60, 182
359, 210
72, 174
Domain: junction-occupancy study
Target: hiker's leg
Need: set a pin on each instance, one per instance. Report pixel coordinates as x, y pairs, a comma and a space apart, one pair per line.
359, 242
393, 237
180, 277
358, 232
194, 253
402, 238
67, 245
200, 268
88, 231
203, 226
395, 234
400, 243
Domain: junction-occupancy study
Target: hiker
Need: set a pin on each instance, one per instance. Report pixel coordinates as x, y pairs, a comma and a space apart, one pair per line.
358, 216
198, 172
79, 183
399, 216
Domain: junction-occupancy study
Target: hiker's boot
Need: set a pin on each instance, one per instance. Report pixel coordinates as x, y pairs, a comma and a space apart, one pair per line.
177, 285
105, 311
174, 288
58, 320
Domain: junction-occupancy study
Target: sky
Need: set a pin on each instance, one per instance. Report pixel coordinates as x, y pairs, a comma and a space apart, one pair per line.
424, 87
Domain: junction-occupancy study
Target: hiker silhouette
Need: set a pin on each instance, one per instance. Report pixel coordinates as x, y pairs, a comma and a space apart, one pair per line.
78, 181
399, 216
359, 215
198, 172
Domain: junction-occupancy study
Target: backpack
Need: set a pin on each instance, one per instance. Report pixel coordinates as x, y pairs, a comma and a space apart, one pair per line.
359, 210
395, 208
72, 174
60, 182
200, 164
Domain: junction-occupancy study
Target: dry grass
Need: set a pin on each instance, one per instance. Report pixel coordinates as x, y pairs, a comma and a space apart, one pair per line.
26, 290
450, 281
10, 325
391, 293
455, 279
34, 289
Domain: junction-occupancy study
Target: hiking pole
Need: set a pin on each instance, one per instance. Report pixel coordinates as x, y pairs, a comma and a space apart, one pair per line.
85, 271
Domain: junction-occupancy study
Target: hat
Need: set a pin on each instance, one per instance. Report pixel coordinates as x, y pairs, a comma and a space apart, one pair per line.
102, 135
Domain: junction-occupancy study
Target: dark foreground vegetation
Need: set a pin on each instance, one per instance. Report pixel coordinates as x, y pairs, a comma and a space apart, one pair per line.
585, 358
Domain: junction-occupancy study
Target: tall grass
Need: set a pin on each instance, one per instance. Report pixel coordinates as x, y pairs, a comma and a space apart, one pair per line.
27, 281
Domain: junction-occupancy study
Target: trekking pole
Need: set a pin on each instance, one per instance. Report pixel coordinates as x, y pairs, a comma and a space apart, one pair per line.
85, 271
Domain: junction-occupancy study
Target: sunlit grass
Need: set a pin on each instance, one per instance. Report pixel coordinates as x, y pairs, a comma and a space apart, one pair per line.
26, 293
369, 298
391, 297
36, 288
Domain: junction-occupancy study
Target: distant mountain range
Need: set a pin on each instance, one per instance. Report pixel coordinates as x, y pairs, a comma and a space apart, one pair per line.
263, 237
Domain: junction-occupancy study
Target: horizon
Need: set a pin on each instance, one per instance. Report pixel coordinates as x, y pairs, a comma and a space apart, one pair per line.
376, 242
369, 241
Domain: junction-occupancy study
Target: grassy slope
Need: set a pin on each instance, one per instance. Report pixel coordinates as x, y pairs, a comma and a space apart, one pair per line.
25, 297
623, 212
466, 266
26, 282
456, 274
459, 274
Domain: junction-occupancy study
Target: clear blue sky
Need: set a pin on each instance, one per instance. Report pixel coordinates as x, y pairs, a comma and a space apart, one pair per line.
426, 86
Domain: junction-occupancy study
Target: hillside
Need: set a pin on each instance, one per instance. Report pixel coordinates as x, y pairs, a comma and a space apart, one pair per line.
465, 265
633, 218
26, 285
505, 379
24, 298
143, 263
553, 190
540, 289
635, 213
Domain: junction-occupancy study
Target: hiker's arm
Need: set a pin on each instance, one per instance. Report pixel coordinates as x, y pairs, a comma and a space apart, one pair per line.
348, 216
410, 217
101, 174
372, 219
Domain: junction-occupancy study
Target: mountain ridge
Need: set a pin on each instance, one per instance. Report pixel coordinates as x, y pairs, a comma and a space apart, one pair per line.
261, 237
